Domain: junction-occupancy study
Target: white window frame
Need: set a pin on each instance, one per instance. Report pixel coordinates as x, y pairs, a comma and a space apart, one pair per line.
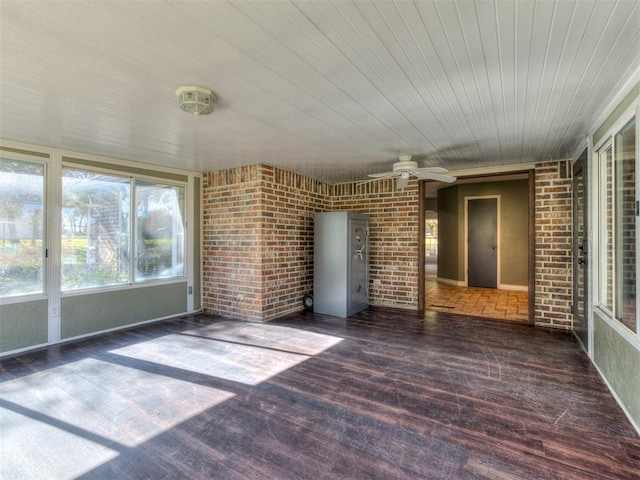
601, 265
132, 283
600, 184
161, 181
46, 253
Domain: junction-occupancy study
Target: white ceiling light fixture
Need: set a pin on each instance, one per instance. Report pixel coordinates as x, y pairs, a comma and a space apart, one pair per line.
196, 100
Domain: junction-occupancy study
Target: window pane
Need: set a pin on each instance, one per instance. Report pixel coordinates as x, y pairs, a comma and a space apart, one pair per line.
95, 229
625, 198
21, 228
606, 216
159, 231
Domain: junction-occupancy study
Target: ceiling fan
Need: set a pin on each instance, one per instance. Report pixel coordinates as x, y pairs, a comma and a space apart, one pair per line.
404, 168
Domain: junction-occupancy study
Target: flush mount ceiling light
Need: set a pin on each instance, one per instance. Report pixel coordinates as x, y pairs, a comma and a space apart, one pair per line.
196, 100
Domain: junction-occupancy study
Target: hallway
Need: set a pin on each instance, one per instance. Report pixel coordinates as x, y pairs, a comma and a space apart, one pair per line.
478, 302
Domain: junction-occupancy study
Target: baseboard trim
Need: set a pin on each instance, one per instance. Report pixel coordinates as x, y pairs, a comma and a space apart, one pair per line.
515, 288
448, 281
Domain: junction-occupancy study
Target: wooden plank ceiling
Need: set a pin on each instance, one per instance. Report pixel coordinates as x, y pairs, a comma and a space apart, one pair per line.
333, 90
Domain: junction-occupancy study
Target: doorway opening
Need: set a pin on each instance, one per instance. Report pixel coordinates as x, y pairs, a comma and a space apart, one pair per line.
445, 278
431, 245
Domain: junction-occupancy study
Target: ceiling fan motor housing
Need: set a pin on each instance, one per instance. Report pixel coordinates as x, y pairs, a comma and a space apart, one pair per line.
404, 165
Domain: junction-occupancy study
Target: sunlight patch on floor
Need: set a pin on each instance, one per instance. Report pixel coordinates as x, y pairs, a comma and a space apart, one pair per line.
245, 353
79, 415
269, 336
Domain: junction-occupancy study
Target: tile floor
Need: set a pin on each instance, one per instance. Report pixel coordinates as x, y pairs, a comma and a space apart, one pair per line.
475, 301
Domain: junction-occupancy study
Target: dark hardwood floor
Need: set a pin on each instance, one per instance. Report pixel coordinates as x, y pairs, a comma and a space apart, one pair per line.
384, 394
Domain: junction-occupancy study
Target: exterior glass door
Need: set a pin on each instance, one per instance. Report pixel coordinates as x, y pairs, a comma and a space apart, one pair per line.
580, 251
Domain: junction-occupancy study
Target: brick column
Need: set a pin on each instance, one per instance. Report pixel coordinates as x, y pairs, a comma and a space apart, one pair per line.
553, 261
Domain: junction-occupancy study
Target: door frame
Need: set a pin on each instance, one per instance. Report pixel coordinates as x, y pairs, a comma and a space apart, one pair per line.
466, 236
530, 171
582, 162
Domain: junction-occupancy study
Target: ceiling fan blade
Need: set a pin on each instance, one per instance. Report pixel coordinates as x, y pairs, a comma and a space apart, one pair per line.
418, 171
383, 175
403, 181
435, 176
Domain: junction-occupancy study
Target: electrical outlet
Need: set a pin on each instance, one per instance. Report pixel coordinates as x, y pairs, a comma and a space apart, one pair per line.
240, 297
376, 281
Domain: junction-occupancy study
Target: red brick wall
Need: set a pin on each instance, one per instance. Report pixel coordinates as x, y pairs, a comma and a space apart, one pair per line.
289, 202
258, 241
553, 262
232, 243
393, 222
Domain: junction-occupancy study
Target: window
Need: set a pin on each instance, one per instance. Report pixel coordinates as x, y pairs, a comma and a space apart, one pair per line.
606, 216
97, 222
21, 228
625, 224
618, 226
159, 231
95, 229
431, 237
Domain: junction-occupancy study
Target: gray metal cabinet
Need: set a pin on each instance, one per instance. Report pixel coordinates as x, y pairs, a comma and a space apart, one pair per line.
341, 263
